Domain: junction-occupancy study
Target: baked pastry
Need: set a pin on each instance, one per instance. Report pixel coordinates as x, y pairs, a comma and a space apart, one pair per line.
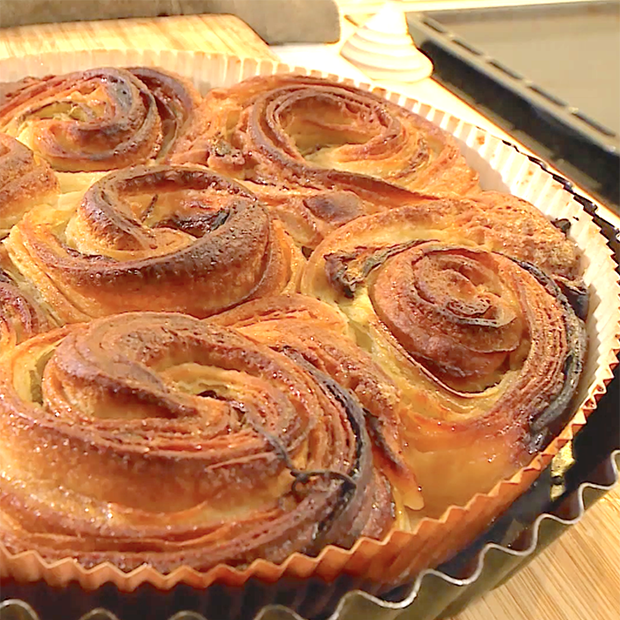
178, 443
21, 317
321, 153
161, 238
100, 119
25, 181
367, 346
318, 334
485, 349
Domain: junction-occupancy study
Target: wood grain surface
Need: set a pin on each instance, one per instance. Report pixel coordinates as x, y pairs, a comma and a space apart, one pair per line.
578, 576
212, 33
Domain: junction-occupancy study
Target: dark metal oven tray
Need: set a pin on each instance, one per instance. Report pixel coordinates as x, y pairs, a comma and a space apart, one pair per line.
548, 74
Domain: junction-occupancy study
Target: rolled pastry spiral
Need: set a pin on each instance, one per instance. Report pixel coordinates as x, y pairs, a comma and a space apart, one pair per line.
484, 347
320, 334
21, 317
25, 181
158, 238
157, 438
99, 119
322, 153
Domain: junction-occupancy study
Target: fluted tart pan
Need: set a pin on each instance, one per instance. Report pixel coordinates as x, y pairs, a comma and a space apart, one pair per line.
501, 168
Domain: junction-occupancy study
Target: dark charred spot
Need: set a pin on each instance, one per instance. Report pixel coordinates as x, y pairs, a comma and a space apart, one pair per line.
210, 394
547, 423
577, 296
339, 274
563, 224
374, 425
572, 293
5, 278
347, 270
89, 257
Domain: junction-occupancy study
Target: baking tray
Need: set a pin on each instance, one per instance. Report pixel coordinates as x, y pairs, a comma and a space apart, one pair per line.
548, 74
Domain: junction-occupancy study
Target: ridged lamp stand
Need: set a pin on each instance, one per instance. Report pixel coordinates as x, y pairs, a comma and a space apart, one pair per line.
384, 50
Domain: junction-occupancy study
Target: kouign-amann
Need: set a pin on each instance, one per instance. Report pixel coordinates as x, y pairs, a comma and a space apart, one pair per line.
275, 318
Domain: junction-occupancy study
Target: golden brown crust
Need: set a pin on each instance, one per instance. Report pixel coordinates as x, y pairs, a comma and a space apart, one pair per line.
321, 335
163, 238
99, 119
298, 139
25, 181
492, 220
21, 317
485, 349
178, 442
430, 355
515, 227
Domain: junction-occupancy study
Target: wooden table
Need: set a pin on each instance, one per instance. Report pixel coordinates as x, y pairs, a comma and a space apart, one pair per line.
577, 577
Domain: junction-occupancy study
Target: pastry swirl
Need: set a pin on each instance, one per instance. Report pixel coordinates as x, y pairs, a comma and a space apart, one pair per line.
100, 119
484, 348
320, 334
20, 316
25, 181
161, 439
272, 320
322, 153
160, 238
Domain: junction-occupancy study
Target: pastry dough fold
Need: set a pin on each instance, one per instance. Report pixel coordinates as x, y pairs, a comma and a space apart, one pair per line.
161, 238
321, 153
161, 439
99, 119
25, 182
483, 346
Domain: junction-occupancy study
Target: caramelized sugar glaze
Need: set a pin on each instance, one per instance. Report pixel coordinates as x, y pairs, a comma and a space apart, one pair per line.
101, 119
483, 345
271, 319
320, 154
157, 237
175, 442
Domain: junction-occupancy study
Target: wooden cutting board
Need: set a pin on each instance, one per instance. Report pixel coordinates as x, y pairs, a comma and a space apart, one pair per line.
208, 33
578, 576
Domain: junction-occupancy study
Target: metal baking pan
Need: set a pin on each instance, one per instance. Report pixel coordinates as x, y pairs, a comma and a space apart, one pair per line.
548, 74
546, 510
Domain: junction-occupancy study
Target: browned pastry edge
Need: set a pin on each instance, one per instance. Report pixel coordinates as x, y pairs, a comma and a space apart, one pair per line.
210, 246
253, 132
454, 323
147, 467
25, 181
100, 119
561, 264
